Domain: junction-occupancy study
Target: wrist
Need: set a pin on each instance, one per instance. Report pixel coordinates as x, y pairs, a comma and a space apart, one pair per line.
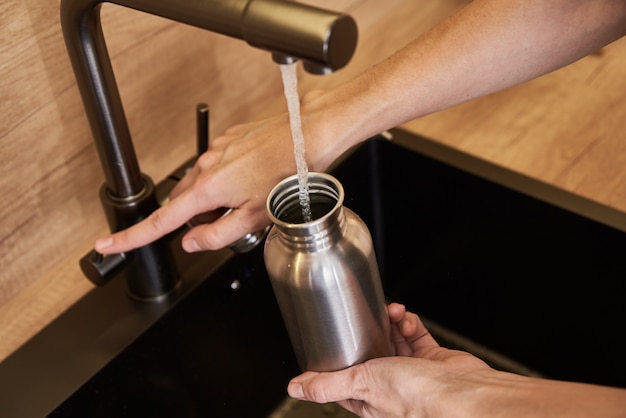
324, 130
333, 121
483, 393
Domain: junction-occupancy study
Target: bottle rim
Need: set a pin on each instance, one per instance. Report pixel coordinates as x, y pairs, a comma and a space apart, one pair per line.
285, 196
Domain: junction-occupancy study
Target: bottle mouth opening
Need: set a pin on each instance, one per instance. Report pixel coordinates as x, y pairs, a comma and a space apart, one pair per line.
325, 194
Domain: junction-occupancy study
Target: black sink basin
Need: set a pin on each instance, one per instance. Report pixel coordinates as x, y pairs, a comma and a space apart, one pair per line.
221, 352
523, 274
540, 280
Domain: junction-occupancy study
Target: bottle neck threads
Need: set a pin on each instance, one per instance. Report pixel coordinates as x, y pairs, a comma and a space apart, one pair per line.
326, 198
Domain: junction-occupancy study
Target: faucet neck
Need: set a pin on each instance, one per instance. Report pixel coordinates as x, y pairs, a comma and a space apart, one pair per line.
326, 41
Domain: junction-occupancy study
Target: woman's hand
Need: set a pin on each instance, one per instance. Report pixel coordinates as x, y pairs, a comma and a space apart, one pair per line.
426, 380
408, 385
238, 171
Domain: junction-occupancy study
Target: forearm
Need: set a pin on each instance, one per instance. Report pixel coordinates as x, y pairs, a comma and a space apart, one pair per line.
488, 46
499, 394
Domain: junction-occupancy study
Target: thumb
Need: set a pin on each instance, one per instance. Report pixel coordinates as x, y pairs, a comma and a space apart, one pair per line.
347, 384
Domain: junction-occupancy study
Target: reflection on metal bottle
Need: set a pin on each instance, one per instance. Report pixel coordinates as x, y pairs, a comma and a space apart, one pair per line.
325, 277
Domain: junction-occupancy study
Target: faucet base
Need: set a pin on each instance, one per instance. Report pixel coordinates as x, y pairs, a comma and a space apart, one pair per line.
150, 270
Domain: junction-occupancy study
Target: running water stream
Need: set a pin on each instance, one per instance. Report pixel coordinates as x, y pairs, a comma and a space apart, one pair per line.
290, 83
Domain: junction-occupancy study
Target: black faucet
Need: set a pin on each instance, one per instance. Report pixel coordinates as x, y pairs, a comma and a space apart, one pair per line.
322, 39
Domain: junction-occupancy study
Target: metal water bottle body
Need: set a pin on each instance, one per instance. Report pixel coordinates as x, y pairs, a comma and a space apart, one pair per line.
325, 277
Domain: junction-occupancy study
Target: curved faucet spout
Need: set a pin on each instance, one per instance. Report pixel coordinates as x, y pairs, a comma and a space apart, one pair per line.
324, 40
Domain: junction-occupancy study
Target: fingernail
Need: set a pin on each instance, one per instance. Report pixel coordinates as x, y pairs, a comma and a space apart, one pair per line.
295, 390
103, 243
191, 246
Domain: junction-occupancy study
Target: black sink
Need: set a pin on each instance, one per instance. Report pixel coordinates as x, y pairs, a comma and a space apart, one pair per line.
535, 279
221, 352
515, 270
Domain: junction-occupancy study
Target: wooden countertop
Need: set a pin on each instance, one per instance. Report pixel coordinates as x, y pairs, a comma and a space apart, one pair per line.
566, 128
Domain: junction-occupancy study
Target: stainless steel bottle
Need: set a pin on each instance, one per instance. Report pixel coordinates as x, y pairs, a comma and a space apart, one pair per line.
325, 277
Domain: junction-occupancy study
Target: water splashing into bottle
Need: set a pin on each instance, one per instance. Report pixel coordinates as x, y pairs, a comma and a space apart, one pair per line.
290, 83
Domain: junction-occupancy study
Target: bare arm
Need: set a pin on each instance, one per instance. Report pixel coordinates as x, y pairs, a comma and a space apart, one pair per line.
427, 380
449, 384
509, 395
488, 46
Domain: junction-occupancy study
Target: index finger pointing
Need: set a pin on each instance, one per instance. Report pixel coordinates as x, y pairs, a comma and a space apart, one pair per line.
159, 223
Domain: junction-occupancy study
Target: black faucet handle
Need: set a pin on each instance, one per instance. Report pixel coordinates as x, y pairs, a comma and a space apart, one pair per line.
99, 269
202, 127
